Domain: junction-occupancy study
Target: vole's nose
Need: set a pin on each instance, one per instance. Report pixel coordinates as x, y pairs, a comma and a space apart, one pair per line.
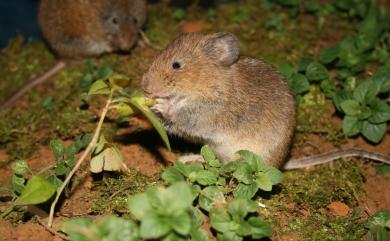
145, 85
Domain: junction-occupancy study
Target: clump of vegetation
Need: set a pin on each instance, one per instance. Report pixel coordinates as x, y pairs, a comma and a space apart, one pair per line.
223, 192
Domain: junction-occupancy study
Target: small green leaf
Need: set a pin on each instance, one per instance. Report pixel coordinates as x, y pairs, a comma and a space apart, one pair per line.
61, 169
244, 173
263, 181
71, 151
377, 233
260, 229
382, 79
351, 107
240, 207
58, 149
220, 219
199, 235
365, 92
113, 228
104, 72
172, 175
153, 226
55, 181
255, 161
229, 167
110, 159
20, 167
181, 223
228, 236
383, 169
316, 72
139, 205
274, 174
381, 111
352, 125
37, 190
139, 103
303, 63
197, 217
373, 132
380, 218
99, 87
287, 70
298, 84
17, 184
207, 153
72, 228
206, 178
245, 191
123, 109
210, 196
329, 54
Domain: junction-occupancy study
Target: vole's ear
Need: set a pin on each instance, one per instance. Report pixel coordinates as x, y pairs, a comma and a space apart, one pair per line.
223, 48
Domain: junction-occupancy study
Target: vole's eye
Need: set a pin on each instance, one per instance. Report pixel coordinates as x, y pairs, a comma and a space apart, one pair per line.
115, 21
176, 65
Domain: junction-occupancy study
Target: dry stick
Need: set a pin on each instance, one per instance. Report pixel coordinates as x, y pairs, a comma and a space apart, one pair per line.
80, 161
50, 230
147, 41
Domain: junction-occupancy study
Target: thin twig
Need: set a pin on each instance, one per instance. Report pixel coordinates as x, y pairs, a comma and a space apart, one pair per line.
80, 161
147, 41
52, 231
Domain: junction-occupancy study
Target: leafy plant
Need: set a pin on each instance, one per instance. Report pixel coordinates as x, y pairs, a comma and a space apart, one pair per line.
378, 225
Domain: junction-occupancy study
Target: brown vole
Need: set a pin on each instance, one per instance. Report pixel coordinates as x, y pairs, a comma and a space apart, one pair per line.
207, 93
76, 29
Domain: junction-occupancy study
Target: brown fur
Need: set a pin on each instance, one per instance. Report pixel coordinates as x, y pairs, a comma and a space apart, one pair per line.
222, 99
82, 28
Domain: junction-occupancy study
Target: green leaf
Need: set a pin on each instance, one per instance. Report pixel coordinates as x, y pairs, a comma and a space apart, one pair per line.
378, 234
263, 181
123, 109
20, 167
228, 236
254, 160
244, 173
139, 205
113, 228
85, 140
381, 111
139, 104
340, 97
329, 54
58, 149
274, 174
380, 218
37, 190
229, 167
172, 175
365, 92
172, 236
220, 219
181, 223
352, 125
71, 151
260, 229
373, 132
299, 84
245, 191
316, 72
287, 70
61, 169
211, 196
153, 226
206, 177
382, 79
197, 217
199, 235
178, 196
55, 181
99, 87
240, 207
207, 153
383, 169
110, 159
351, 107
73, 226
17, 184
244, 229
303, 63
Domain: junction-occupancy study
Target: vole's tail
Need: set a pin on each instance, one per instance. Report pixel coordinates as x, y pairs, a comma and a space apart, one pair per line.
333, 155
36, 81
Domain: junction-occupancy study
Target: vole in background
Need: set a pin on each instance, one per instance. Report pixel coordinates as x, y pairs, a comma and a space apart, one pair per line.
207, 93
77, 29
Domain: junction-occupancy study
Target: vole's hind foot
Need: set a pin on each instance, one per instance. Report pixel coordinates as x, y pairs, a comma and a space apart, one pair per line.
191, 158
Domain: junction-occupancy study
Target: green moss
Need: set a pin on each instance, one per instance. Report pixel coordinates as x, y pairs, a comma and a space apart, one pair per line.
300, 206
114, 190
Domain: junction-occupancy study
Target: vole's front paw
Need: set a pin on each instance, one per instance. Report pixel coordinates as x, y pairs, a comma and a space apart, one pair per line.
162, 106
191, 158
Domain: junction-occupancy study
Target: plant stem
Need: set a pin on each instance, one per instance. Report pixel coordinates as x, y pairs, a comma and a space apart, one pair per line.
6, 212
81, 159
